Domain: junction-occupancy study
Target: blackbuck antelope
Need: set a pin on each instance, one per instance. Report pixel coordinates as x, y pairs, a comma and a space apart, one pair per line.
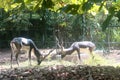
76, 47
19, 42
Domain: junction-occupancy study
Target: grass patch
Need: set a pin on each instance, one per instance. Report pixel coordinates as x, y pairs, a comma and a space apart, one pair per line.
56, 62
99, 60
45, 63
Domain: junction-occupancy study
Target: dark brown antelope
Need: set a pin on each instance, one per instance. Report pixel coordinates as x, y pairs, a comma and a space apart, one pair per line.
18, 43
76, 47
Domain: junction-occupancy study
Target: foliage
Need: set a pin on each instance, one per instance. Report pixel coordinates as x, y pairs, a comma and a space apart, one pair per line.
40, 18
112, 9
98, 60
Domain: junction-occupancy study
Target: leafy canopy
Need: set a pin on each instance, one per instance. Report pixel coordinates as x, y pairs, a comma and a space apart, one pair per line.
69, 6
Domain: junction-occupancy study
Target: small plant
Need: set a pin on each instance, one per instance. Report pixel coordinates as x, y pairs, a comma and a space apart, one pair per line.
98, 60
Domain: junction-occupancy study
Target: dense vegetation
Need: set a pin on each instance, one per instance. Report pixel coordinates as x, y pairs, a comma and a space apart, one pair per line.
70, 20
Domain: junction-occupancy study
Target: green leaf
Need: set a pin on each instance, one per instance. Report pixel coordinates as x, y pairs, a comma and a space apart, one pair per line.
98, 1
118, 15
109, 17
28, 1
102, 4
47, 4
18, 1
71, 8
37, 5
87, 6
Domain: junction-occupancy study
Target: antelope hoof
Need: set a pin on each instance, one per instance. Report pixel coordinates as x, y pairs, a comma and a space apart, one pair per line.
39, 62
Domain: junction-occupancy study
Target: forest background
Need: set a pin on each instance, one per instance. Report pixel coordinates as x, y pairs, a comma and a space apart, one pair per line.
70, 20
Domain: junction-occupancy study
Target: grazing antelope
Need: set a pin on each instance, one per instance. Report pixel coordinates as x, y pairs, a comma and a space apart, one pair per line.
16, 45
76, 47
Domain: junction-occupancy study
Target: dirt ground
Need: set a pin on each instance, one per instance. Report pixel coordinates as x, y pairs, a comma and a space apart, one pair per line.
5, 55
113, 55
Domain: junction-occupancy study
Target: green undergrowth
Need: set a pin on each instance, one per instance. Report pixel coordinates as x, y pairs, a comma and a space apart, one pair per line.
100, 60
